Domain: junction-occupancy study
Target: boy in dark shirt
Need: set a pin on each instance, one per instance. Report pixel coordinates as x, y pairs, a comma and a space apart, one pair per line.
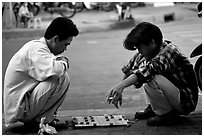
169, 80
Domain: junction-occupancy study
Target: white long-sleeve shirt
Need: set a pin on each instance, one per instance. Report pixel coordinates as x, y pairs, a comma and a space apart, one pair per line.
32, 64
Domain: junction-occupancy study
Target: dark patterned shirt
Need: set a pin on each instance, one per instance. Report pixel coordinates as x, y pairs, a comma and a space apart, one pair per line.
171, 64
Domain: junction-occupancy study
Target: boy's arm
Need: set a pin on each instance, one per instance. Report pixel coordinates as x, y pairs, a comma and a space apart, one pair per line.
132, 79
125, 76
115, 94
44, 64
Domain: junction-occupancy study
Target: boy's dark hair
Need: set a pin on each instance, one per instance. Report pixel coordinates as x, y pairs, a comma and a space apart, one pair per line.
143, 33
62, 27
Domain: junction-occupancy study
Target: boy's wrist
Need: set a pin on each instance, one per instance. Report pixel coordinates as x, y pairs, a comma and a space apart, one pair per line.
122, 84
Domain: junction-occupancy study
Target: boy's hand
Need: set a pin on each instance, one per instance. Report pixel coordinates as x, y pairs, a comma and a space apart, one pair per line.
63, 58
117, 101
115, 96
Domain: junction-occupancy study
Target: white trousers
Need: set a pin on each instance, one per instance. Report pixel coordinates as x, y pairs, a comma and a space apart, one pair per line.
162, 95
46, 98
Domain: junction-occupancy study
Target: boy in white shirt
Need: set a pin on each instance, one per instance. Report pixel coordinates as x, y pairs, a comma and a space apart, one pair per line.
36, 79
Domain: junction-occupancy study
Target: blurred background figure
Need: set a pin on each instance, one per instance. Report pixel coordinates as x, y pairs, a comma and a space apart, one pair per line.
87, 4
8, 17
24, 14
124, 11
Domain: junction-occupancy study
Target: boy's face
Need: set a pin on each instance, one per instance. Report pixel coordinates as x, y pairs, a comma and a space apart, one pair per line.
147, 50
59, 47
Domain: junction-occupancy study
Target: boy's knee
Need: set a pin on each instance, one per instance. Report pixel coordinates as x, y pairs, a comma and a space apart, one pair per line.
155, 82
53, 82
158, 82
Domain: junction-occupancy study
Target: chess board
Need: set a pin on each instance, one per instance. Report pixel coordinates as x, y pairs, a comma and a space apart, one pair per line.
97, 121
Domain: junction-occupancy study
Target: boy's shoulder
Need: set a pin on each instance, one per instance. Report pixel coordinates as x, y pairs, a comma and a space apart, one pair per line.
38, 43
169, 46
169, 50
168, 43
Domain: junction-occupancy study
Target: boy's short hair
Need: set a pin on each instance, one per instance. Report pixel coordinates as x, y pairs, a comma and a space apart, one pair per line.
62, 27
143, 33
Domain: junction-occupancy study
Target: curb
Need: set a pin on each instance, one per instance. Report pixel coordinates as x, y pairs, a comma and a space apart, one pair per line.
38, 32
22, 33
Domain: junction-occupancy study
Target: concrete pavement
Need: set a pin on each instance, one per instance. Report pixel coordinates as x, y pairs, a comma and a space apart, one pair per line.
187, 125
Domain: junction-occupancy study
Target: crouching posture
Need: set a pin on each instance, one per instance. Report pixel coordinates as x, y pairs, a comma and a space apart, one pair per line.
167, 75
36, 79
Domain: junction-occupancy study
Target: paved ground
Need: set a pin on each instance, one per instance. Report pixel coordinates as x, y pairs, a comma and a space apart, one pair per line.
189, 125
